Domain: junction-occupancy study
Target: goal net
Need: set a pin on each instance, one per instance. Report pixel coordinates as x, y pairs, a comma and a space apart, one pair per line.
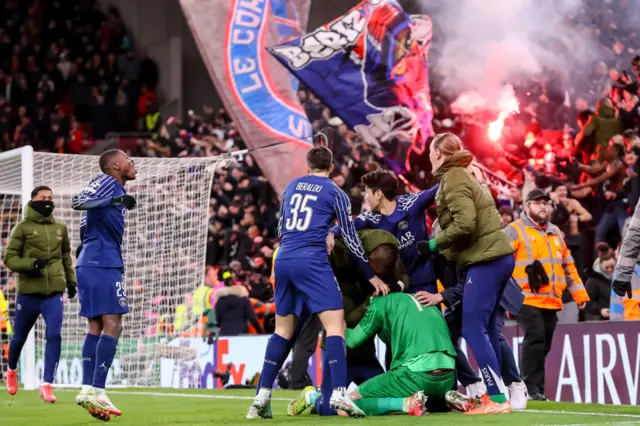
164, 254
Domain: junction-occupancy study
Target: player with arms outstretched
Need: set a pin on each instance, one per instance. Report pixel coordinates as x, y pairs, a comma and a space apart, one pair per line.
305, 281
102, 295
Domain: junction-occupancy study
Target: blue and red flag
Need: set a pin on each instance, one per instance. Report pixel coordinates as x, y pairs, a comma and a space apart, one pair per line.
370, 66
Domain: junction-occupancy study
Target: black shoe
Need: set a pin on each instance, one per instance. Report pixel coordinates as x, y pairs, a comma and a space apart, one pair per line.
537, 397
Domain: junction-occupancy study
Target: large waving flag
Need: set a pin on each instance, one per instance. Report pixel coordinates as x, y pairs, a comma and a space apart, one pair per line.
370, 66
231, 36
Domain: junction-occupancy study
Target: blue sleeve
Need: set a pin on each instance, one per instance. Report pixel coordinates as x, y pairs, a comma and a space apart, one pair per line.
95, 196
83, 227
426, 198
359, 223
342, 209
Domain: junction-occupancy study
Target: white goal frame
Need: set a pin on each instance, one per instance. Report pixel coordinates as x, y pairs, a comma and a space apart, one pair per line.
26, 156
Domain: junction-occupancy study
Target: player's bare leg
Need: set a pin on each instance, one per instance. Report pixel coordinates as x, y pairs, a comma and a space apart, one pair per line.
98, 401
261, 406
335, 326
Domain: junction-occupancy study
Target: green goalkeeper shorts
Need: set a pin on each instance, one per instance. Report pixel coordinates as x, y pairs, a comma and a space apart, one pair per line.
402, 382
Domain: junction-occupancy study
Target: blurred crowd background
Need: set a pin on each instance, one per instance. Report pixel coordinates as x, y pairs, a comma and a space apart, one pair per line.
70, 75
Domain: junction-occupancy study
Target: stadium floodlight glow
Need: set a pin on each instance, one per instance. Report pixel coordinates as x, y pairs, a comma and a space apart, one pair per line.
164, 252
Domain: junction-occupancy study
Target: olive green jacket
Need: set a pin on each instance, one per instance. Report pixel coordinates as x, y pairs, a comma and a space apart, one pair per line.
355, 287
472, 230
39, 237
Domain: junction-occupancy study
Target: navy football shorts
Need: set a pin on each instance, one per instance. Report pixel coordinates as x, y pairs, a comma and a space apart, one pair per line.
101, 292
305, 282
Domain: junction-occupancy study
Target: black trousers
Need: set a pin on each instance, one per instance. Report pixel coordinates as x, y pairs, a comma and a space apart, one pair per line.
304, 347
538, 326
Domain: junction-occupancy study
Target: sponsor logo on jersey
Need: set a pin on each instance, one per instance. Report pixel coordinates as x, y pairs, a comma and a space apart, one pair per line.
403, 225
406, 240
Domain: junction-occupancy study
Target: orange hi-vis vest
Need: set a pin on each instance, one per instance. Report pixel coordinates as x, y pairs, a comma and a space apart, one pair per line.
530, 243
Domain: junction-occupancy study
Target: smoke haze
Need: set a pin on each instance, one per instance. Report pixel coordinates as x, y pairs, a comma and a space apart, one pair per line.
490, 43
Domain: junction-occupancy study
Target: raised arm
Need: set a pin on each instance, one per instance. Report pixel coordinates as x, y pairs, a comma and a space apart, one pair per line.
95, 196
426, 198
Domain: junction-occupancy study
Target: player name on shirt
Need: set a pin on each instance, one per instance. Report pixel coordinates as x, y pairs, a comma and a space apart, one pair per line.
309, 187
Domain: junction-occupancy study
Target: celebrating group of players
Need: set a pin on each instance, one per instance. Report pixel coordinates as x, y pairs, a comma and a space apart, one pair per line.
44, 264
355, 278
375, 275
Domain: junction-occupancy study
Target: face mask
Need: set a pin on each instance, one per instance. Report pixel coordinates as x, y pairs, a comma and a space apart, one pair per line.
44, 207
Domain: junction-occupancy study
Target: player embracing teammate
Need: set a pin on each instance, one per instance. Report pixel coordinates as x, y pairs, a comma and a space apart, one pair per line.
305, 281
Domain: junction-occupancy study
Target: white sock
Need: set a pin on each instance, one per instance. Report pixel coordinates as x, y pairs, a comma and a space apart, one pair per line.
8, 369
99, 391
86, 388
264, 393
46, 384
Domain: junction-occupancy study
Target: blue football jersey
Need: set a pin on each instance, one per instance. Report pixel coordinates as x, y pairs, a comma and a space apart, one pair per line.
407, 223
310, 206
102, 225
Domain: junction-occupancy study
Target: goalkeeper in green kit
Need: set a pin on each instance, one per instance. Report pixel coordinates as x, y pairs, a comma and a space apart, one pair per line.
422, 365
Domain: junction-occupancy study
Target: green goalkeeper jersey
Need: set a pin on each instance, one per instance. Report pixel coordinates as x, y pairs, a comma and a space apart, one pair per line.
418, 335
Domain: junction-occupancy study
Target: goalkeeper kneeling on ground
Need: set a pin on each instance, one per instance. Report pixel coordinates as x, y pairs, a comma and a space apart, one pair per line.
422, 365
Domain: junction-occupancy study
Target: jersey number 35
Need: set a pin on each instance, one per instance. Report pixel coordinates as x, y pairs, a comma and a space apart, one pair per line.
301, 213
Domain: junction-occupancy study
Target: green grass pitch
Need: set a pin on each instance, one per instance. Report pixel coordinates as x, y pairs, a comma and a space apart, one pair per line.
208, 407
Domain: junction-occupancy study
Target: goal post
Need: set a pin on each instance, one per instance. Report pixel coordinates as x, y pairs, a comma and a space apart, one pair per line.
164, 251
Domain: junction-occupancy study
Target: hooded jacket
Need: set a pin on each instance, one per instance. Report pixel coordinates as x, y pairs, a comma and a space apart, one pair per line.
599, 289
38, 237
603, 125
234, 311
472, 230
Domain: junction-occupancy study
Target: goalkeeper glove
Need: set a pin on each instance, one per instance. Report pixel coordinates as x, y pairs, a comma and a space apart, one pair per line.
124, 200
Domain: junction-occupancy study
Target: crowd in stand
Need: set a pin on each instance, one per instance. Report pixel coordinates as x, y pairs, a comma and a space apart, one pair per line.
68, 75
579, 143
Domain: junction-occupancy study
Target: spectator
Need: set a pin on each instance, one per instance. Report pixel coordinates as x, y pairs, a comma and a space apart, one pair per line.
604, 125
599, 284
234, 311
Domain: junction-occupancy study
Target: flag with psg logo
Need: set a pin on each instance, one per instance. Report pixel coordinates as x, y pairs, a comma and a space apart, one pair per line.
370, 66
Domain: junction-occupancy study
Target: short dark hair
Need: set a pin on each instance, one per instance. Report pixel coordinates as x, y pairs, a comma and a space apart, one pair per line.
320, 158
37, 189
381, 180
384, 256
106, 157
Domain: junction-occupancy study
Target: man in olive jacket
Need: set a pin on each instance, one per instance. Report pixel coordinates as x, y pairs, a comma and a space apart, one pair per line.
39, 252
